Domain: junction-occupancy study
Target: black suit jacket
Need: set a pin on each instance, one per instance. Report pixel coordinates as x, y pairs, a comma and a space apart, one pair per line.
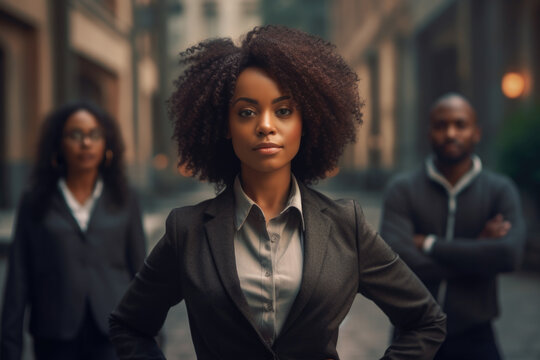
195, 262
57, 269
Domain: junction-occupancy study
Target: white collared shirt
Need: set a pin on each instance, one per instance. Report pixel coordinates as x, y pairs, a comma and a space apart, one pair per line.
81, 212
269, 258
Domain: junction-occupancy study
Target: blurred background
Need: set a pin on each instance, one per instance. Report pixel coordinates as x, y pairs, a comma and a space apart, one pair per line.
123, 54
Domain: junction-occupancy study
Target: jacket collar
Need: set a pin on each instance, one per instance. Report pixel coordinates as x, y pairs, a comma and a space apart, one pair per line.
243, 202
97, 214
434, 174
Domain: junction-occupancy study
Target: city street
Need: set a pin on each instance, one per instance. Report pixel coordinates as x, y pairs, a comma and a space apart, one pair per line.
365, 332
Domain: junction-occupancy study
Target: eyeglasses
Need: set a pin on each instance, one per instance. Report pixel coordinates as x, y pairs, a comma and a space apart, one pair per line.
78, 136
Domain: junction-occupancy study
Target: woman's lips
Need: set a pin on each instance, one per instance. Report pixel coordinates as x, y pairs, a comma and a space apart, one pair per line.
86, 157
267, 148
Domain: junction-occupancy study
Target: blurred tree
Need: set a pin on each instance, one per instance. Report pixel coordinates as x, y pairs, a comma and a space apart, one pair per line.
518, 149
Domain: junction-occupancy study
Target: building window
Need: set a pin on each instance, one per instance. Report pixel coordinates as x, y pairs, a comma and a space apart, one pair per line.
97, 84
210, 12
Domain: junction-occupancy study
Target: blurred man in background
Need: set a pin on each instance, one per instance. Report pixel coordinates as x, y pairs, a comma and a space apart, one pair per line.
457, 226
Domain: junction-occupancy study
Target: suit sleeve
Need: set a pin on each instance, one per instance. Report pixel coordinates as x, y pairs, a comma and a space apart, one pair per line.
143, 309
17, 289
386, 280
488, 255
136, 244
397, 230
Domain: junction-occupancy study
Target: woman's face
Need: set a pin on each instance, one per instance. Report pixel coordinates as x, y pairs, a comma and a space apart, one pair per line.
264, 125
83, 142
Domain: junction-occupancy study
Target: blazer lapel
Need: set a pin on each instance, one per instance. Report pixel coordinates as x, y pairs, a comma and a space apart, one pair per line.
316, 234
62, 207
220, 234
98, 211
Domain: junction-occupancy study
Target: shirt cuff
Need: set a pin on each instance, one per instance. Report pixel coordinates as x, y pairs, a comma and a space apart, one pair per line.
428, 243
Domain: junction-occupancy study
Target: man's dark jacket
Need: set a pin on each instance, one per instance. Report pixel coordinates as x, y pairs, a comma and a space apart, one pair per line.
416, 204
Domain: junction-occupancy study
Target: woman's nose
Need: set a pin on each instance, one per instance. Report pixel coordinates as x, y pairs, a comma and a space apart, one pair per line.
86, 141
265, 125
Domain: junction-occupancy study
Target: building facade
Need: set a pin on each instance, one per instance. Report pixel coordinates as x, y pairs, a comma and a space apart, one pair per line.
409, 52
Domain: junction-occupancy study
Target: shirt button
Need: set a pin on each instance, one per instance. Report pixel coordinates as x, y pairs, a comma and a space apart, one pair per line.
274, 237
268, 273
268, 307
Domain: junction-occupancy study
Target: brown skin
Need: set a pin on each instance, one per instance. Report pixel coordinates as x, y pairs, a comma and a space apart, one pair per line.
82, 157
454, 133
265, 129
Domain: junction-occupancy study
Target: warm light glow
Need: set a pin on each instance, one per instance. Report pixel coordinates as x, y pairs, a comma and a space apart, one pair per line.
161, 161
182, 170
513, 85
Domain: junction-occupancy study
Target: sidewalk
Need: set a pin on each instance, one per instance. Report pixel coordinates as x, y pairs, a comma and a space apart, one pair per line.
365, 332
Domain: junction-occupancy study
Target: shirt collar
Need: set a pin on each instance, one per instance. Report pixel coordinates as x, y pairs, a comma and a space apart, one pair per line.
244, 204
70, 199
434, 174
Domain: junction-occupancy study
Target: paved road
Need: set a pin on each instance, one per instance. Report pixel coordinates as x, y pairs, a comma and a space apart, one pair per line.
364, 333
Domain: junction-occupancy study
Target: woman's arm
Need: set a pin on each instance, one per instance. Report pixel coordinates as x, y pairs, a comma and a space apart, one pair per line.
136, 244
17, 288
386, 280
143, 309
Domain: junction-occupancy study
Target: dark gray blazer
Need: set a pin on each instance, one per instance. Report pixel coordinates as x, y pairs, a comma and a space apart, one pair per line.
56, 269
195, 262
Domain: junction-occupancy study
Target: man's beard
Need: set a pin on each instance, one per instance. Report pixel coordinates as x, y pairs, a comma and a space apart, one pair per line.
444, 158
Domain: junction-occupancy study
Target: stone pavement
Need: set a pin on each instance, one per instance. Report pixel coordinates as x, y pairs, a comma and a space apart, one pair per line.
365, 332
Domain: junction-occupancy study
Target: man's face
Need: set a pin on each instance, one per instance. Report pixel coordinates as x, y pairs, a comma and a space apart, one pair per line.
453, 130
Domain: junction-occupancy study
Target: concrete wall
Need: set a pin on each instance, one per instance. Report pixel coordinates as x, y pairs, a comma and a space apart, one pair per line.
25, 42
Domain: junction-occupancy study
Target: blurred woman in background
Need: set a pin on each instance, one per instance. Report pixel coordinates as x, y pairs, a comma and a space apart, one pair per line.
78, 240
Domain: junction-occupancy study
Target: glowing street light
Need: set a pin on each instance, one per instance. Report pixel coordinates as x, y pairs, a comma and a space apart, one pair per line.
513, 85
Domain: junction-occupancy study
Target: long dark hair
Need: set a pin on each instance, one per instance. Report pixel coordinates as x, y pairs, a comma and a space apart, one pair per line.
50, 164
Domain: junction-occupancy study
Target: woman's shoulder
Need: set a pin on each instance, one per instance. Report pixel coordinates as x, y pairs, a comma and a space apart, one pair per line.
190, 215
340, 208
29, 199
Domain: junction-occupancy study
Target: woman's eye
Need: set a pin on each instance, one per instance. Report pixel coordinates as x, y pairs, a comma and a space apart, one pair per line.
284, 112
246, 113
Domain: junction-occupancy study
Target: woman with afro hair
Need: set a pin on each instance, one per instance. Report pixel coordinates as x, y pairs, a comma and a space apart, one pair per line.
269, 268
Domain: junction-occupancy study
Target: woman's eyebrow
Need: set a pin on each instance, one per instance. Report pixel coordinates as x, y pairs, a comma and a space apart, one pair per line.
281, 98
252, 101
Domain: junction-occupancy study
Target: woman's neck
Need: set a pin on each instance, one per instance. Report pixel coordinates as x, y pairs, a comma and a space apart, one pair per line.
268, 190
81, 184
